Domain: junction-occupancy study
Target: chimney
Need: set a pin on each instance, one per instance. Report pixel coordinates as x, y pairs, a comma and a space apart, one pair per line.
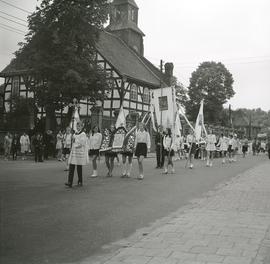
169, 72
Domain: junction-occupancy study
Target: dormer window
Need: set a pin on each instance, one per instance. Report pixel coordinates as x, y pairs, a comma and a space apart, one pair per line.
133, 15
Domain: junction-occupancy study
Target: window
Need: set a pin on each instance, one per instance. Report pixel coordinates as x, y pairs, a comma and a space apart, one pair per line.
146, 95
15, 85
133, 17
133, 92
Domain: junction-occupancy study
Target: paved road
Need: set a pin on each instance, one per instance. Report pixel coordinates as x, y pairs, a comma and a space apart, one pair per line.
42, 222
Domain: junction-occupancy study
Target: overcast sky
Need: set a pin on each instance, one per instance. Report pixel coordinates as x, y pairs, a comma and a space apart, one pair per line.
188, 32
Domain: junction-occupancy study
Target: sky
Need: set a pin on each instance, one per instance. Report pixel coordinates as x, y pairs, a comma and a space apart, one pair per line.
188, 32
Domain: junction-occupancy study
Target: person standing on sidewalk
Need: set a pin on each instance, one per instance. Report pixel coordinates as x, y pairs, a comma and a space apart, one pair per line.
7, 145
210, 147
25, 145
94, 146
59, 145
78, 155
168, 150
159, 148
142, 146
15, 146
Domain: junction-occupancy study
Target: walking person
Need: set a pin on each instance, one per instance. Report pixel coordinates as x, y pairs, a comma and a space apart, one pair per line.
268, 147
254, 145
127, 153
168, 150
231, 147
67, 146
223, 146
142, 146
109, 154
94, 146
78, 156
15, 146
159, 148
177, 146
59, 145
7, 145
191, 148
210, 147
25, 145
244, 146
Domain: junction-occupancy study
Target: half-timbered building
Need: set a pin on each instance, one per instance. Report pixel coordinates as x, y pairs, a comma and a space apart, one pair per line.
120, 52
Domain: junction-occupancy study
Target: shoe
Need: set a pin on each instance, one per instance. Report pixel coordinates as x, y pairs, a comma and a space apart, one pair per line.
191, 166
140, 177
79, 184
157, 167
211, 164
123, 175
172, 171
128, 175
94, 175
68, 185
165, 171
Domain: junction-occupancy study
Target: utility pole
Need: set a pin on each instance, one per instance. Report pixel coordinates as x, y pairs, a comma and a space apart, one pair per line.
161, 136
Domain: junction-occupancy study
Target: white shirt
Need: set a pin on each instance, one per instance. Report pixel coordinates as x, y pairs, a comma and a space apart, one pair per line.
143, 137
167, 142
95, 141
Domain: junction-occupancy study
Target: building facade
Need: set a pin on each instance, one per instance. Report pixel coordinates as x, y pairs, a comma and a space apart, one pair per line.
119, 52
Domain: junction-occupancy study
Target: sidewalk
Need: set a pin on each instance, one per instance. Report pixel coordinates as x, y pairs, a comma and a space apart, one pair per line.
230, 225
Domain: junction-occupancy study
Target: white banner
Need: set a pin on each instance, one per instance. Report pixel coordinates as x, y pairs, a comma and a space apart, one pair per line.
164, 103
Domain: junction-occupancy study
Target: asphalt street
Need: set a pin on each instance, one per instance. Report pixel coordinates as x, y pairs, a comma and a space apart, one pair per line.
43, 222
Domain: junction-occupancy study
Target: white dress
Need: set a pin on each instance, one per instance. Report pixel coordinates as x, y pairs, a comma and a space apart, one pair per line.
223, 143
210, 142
25, 143
79, 150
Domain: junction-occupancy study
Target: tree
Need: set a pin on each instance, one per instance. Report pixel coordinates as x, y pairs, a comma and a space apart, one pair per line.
181, 92
21, 109
213, 83
60, 52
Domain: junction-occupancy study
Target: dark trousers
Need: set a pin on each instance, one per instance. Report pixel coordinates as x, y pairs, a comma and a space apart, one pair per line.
14, 154
269, 153
71, 173
160, 156
38, 155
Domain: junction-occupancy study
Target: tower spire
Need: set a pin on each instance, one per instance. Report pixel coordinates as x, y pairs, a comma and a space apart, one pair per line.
124, 23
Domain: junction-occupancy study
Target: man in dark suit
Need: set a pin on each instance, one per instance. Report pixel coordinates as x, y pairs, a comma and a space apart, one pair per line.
159, 148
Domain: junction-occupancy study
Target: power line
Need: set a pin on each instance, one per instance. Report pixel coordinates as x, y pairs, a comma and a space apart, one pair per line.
13, 16
13, 21
19, 8
13, 28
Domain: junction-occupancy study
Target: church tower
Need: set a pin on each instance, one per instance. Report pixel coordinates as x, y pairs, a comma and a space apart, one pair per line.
124, 24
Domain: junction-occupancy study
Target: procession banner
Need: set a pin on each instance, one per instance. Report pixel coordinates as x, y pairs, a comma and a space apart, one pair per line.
199, 123
121, 119
163, 100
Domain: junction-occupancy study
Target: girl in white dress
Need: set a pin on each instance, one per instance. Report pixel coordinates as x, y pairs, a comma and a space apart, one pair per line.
210, 147
94, 146
223, 145
142, 145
